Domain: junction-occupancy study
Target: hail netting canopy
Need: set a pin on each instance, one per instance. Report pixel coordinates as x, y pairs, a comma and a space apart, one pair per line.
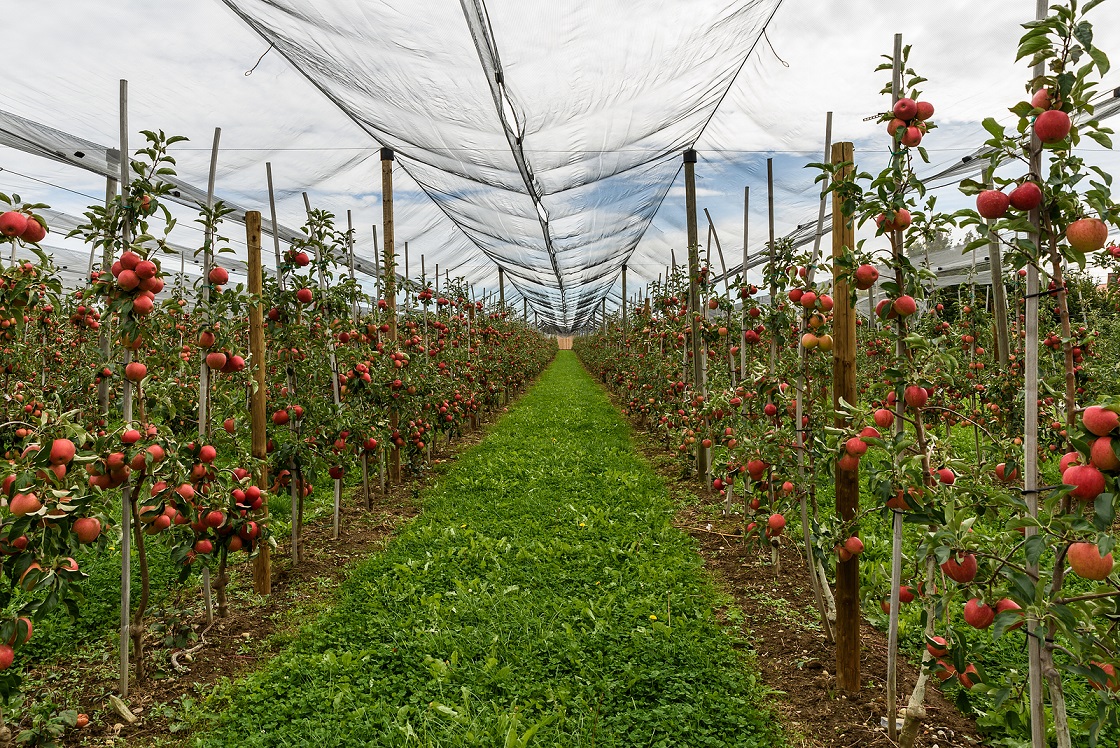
548, 132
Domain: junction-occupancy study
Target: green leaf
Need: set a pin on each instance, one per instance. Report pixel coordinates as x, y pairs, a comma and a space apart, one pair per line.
1100, 59
1033, 43
1083, 32
1034, 546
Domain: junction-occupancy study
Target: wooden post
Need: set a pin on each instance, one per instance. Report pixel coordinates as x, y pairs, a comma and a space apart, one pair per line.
275, 226
999, 297
698, 349
501, 288
262, 565
207, 264
126, 413
376, 263
390, 290
847, 481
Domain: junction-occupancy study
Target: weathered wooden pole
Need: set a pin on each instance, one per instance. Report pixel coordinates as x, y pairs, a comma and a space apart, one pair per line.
847, 481
376, 263
999, 299
388, 228
262, 565
697, 346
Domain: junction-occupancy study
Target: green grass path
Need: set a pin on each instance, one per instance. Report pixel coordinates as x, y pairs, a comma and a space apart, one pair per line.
528, 605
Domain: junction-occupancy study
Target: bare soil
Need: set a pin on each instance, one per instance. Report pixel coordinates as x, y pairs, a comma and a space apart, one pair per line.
781, 624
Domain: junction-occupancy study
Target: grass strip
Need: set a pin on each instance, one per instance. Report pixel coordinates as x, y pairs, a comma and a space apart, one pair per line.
542, 598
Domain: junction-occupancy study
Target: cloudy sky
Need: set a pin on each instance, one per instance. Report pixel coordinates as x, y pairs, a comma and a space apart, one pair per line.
602, 87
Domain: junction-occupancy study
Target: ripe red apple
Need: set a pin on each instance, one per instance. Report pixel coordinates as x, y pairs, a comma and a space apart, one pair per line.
62, 451
214, 518
1087, 481
34, 233
207, 454
135, 371
1103, 455
23, 631
883, 418
775, 525
848, 462
1111, 682
229, 425
1052, 126
1085, 558
203, 546
912, 137
905, 594
855, 446
1041, 99
992, 204
906, 109
901, 220
219, 276
215, 360
13, 223
304, 295
1007, 604
865, 276
853, 545
937, 646
1087, 235
1100, 421
1069, 458
977, 614
961, 571
280, 417
904, 306
1001, 473
925, 110
946, 476
1026, 196
969, 677
88, 529
916, 397
7, 654
142, 306
24, 503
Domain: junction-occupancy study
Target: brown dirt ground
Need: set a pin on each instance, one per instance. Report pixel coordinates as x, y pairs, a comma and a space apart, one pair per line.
780, 622
255, 629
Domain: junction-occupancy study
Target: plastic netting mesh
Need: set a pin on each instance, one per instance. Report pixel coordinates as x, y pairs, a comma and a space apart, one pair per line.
549, 133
